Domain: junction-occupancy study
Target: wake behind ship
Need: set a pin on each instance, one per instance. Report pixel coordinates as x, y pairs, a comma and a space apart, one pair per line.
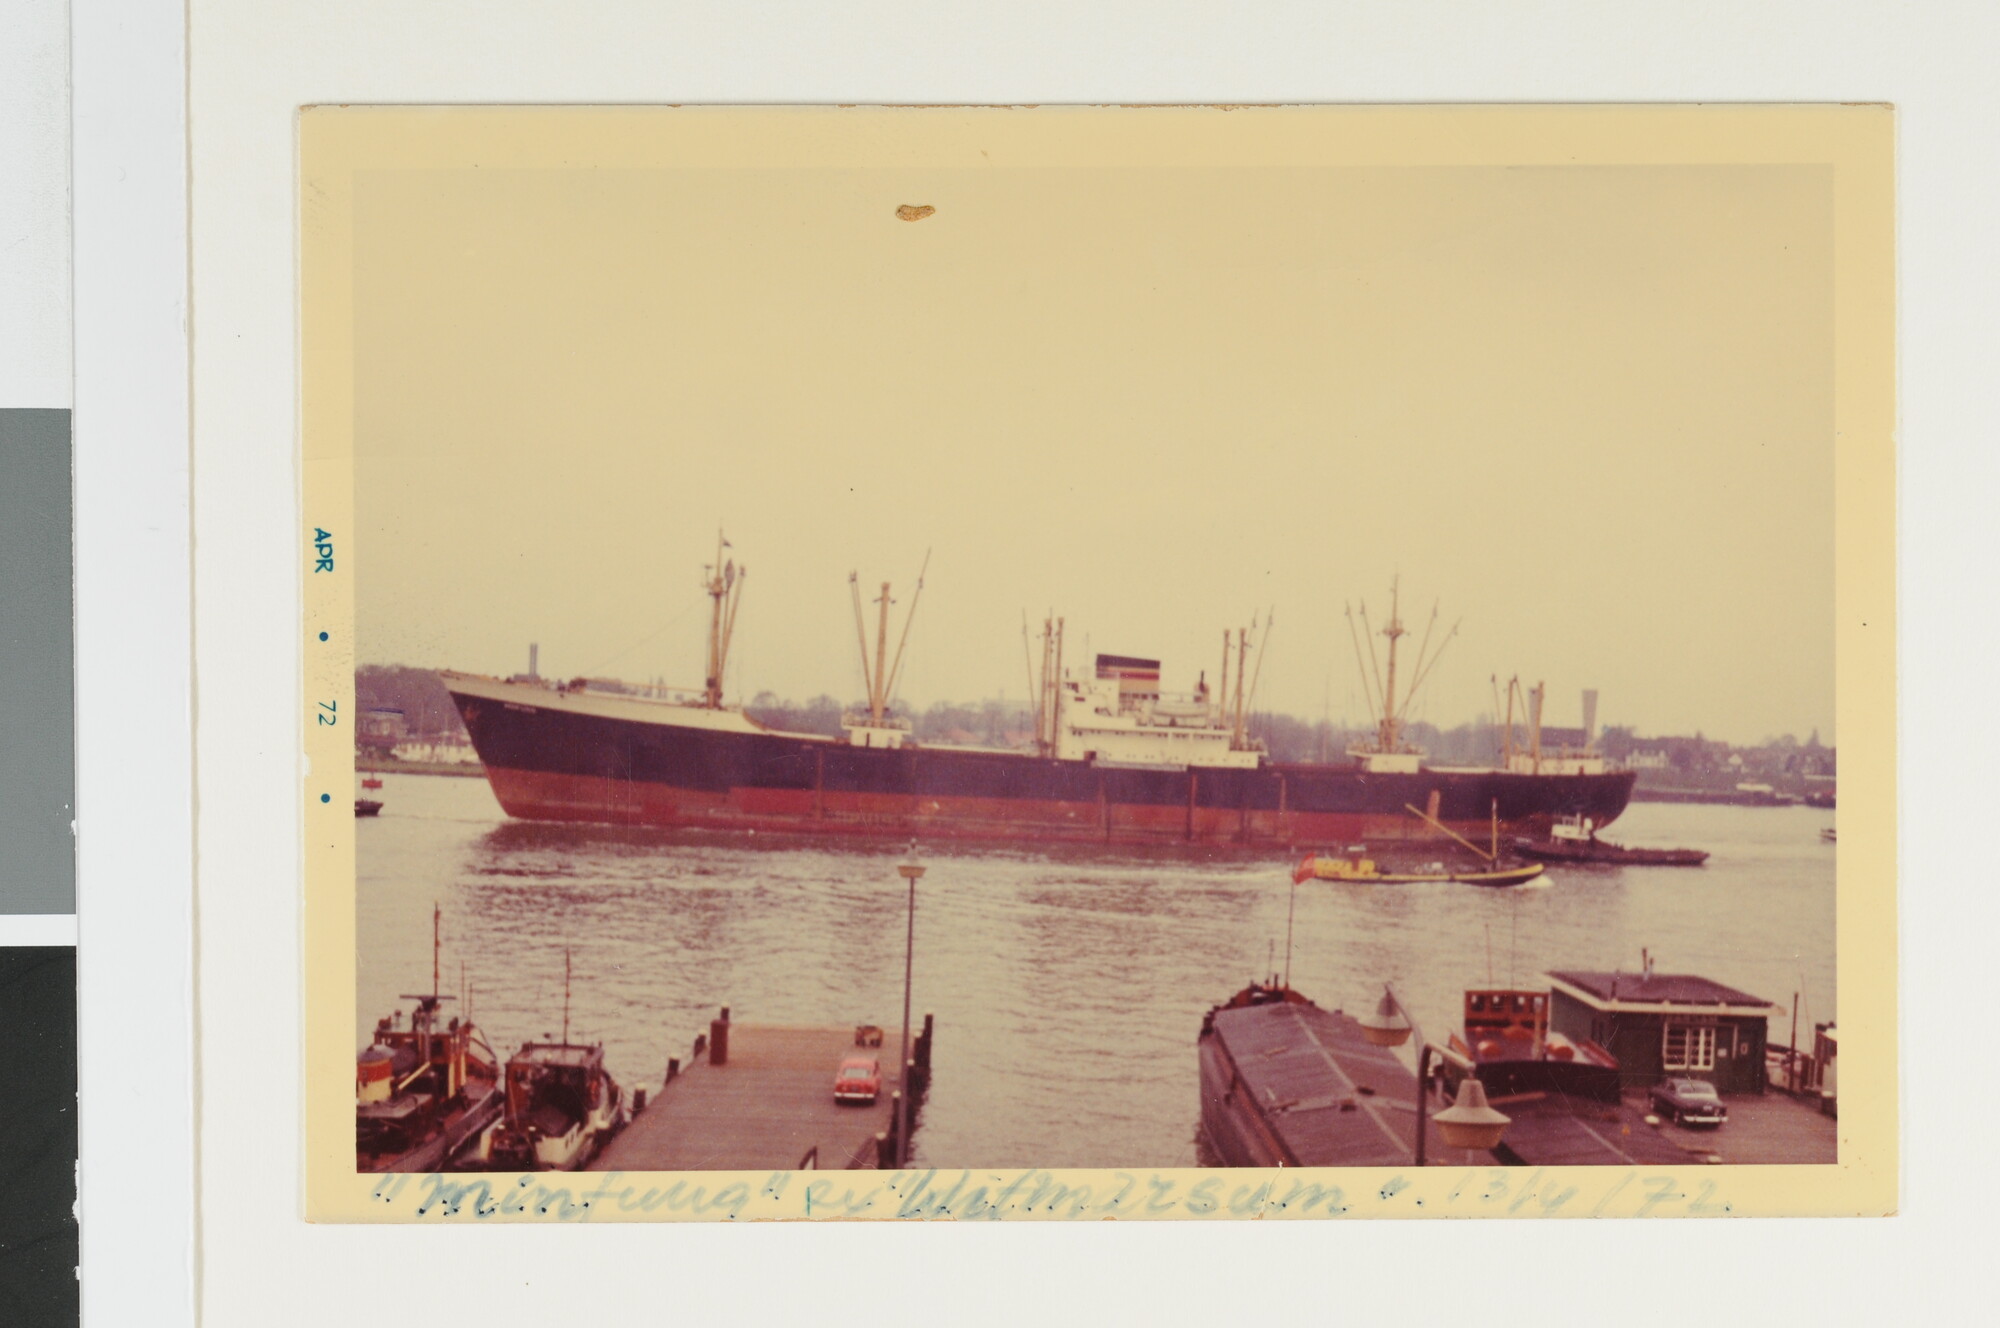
1115, 761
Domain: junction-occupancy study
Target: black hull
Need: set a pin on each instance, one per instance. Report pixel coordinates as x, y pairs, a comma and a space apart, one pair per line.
1610, 854
550, 761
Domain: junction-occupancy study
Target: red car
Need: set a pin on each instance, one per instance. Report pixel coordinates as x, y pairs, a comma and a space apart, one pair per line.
859, 1079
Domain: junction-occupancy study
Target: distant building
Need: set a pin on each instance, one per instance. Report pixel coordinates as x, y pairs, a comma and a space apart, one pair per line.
436, 752
1660, 1024
380, 730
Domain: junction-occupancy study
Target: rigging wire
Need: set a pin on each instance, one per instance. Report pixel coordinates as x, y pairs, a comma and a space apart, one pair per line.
650, 636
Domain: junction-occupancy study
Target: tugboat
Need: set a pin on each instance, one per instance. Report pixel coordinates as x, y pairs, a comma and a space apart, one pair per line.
561, 1106
1564, 1096
422, 1093
1574, 839
1507, 1038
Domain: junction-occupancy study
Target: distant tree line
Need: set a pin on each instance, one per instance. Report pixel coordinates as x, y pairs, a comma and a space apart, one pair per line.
428, 712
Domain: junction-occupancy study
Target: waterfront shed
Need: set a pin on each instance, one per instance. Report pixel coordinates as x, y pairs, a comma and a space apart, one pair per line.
1661, 1024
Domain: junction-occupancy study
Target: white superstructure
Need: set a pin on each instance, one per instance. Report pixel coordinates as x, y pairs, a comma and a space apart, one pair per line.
1120, 718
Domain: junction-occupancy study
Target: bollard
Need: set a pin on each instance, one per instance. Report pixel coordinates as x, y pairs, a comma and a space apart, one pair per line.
638, 1100
896, 1122
700, 1045
673, 1067
718, 1039
885, 1153
918, 1078
924, 1046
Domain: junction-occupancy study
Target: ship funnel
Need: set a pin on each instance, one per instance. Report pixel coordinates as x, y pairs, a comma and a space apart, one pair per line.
1590, 717
534, 654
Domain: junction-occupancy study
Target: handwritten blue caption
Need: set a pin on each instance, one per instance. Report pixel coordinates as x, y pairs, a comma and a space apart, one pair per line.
992, 1196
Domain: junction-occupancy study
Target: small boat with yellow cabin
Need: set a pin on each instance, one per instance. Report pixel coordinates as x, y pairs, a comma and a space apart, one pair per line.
1354, 869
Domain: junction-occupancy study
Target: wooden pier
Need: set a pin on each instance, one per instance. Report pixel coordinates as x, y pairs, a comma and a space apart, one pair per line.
765, 1103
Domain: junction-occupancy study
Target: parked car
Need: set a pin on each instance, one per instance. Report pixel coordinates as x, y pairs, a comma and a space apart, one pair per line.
1689, 1102
859, 1079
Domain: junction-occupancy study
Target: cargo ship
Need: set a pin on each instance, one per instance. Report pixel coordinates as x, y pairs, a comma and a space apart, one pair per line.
1114, 759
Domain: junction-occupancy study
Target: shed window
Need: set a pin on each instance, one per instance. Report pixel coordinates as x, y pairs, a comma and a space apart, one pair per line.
1688, 1047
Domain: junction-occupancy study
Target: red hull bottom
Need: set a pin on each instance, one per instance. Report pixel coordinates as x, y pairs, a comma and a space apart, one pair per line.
540, 796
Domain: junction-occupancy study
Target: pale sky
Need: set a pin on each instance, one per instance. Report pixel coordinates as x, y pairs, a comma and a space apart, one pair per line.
1590, 409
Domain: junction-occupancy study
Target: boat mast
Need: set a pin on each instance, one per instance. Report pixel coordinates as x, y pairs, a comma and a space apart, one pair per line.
1034, 688
896, 669
861, 635
436, 913
1263, 644
875, 697
1535, 714
1055, 693
565, 1036
1222, 684
1390, 719
725, 592
1360, 664
1236, 727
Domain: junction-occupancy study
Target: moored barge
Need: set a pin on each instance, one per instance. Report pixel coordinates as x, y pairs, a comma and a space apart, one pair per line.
1287, 1084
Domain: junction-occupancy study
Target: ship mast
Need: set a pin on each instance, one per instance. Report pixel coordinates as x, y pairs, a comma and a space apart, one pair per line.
1236, 725
1390, 711
875, 698
1390, 719
877, 671
1222, 683
724, 583
1054, 683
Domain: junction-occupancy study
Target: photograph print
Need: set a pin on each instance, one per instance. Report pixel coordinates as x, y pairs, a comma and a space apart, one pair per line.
971, 644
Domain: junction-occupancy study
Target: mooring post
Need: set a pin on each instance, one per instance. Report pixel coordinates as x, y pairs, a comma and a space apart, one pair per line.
673, 1067
718, 1039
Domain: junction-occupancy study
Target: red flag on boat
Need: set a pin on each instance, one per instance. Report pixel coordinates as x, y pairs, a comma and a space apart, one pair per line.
1304, 871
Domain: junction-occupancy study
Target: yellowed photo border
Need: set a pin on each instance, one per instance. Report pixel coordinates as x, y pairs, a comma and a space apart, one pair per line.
336, 143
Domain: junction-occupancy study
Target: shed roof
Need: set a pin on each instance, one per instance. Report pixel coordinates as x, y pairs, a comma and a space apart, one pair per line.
1628, 990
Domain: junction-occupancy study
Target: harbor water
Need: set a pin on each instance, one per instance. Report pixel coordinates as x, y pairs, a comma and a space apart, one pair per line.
1068, 985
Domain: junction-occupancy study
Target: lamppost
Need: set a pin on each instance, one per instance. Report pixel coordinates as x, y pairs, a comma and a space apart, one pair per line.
1469, 1123
912, 871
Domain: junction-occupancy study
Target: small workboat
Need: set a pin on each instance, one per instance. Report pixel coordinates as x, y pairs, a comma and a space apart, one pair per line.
422, 1092
1564, 1093
1574, 839
561, 1106
371, 783
367, 807
1354, 869
1826, 835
